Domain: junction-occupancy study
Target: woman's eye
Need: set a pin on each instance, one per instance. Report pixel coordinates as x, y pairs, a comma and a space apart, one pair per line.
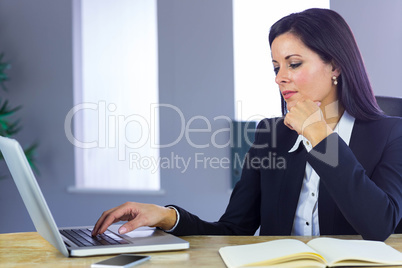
294, 65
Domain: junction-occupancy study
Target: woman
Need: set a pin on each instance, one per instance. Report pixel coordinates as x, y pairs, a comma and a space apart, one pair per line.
343, 170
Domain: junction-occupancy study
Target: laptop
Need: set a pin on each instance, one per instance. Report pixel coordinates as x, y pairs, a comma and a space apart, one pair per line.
77, 241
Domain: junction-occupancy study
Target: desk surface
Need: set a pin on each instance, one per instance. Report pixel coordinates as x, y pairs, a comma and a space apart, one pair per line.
31, 250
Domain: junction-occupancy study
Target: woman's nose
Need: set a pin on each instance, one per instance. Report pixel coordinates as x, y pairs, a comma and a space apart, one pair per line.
281, 77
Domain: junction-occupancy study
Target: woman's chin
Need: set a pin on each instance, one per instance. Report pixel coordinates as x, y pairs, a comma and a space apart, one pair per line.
290, 104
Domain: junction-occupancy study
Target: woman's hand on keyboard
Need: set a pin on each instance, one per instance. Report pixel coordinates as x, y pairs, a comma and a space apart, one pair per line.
136, 215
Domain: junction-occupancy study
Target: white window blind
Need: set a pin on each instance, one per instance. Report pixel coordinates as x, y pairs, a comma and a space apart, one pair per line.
116, 126
256, 93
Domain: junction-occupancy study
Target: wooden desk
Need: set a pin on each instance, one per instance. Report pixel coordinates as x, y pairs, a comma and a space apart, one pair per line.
31, 250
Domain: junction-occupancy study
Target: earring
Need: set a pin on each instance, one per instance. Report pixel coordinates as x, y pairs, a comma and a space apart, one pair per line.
335, 81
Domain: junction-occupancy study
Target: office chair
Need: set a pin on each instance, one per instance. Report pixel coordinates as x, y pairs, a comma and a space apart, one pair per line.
391, 106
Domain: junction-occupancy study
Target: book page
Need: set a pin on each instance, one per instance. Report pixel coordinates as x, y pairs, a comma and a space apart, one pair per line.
268, 253
345, 252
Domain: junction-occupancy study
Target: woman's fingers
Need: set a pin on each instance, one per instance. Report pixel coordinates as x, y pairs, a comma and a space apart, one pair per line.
137, 215
122, 212
303, 114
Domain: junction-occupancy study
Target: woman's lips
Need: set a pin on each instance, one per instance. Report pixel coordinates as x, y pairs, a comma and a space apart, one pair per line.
288, 93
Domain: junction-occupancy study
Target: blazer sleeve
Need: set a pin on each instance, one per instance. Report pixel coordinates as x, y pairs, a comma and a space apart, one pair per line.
242, 215
372, 205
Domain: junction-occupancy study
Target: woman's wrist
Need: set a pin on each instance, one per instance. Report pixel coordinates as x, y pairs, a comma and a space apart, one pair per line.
316, 132
169, 218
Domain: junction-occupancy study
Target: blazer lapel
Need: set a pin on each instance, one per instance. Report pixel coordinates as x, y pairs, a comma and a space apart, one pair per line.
290, 188
326, 211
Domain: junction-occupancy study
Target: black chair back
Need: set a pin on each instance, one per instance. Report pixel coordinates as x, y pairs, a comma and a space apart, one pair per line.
391, 106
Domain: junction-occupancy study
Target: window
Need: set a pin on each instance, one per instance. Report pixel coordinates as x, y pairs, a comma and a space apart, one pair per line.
253, 69
116, 91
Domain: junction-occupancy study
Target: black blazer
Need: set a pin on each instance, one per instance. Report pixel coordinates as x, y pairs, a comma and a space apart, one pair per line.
360, 188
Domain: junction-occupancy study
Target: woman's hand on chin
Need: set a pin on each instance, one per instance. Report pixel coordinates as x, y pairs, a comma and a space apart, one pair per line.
306, 118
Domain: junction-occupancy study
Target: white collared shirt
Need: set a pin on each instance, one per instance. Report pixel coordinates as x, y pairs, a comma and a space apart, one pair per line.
306, 217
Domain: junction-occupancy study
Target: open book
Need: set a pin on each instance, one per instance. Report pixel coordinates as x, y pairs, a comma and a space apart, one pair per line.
319, 252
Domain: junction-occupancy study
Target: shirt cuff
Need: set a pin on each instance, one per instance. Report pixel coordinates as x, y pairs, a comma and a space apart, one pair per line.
177, 220
307, 144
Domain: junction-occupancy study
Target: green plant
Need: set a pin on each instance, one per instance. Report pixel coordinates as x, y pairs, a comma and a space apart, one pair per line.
8, 125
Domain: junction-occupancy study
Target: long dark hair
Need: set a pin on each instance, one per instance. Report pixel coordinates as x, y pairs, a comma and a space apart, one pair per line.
326, 33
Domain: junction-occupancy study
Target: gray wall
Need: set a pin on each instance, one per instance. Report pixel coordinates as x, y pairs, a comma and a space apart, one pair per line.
196, 75
377, 28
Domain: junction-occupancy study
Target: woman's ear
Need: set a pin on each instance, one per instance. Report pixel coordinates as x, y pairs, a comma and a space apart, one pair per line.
335, 69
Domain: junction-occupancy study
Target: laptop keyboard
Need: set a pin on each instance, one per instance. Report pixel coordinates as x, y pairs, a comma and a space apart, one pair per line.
83, 238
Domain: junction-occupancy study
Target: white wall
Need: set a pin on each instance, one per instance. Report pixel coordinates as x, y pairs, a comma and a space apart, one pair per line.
196, 75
